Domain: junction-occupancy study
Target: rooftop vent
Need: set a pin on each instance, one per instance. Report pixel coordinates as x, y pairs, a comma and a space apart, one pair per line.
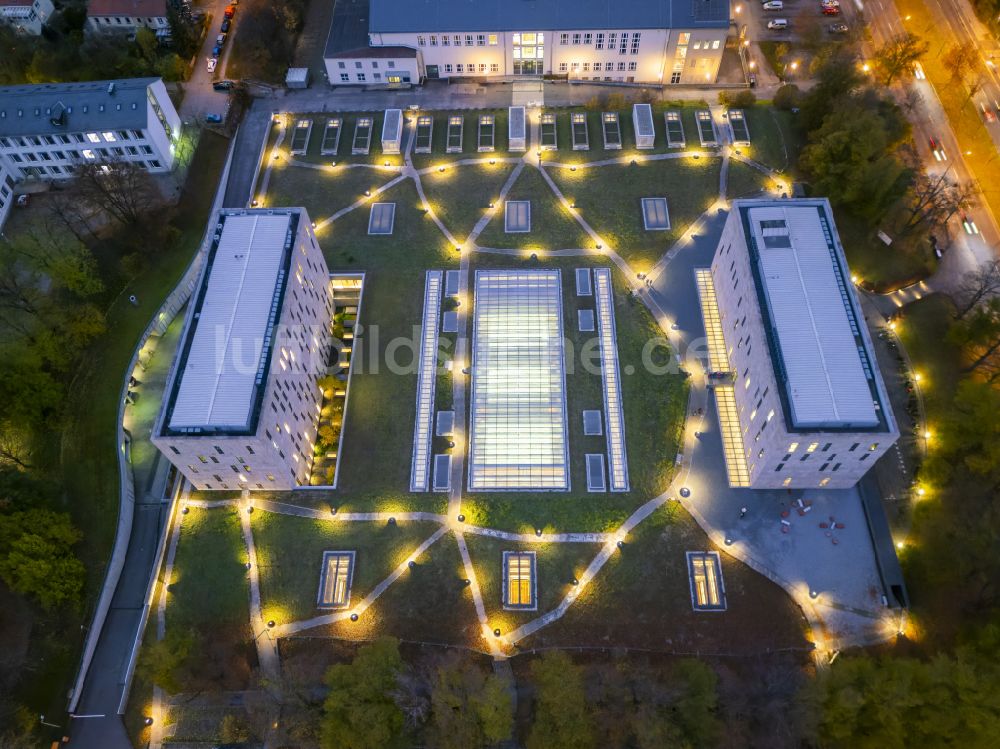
111, 88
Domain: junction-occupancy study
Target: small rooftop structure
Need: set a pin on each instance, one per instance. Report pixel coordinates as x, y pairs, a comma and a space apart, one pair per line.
297, 78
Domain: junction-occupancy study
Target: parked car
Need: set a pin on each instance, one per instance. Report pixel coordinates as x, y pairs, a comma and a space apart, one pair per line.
223, 85
220, 40
773, 5
225, 26
213, 118
230, 11
987, 112
778, 24
212, 62
831, 10
830, 3
937, 150
837, 28
216, 51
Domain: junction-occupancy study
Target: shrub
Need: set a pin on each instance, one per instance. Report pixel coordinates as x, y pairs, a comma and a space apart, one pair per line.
787, 97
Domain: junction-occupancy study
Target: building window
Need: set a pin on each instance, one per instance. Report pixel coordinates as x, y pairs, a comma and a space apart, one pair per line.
458, 40
344, 77
361, 77
825, 481
609, 66
519, 587
705, 572
420, 40
480, 40
624, 44
715, 44
468, 40
635, 44
482, 67
564, 39
448, 68
562, 67
494, 67
600, 40
632, 66
586, 67
696, 45
684, 38
375, 64
854, 447
588, 38
341, 65
612, 38
576, 38
357, 65
93, 137
376, 76
434, 40
459, 68
445, 40
391, 64
492, 40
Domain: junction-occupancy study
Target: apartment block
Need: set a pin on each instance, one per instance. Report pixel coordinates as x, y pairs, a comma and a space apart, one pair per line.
801, 399
48, 130
26, 16
242, 403
127, 15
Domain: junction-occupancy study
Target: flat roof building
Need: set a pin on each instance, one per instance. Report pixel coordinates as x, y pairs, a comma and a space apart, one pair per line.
645, 41
242, 403
802, 402
26, 16
48, 130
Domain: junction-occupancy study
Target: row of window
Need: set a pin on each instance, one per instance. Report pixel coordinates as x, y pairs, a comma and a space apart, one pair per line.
623, 43
358, 64
108, 136
128, 21
56, 170
471, 68
72, 154
456, 40
608, 67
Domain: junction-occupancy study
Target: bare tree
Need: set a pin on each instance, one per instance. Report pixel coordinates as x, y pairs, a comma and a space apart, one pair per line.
898, 55
959, 60
122, 189
976, 287
934, 201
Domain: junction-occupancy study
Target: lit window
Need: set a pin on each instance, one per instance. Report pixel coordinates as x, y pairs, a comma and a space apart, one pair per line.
705, 573
684, 38
335, 579
812, 447
562, 67
770, 414
492, 40
519, 580
873, 447
793, 447
88, 154
715, 44
825, 481
93, 137
787, 481
696, 45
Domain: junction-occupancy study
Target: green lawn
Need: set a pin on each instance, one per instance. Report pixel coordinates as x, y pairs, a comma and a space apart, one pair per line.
642, 599
923, 329
460, 196
470, 134
744, 181
775, 140
324, 191
609, 199
209, 586
880, 267
290, 554
556, 565
552, 227
654, 406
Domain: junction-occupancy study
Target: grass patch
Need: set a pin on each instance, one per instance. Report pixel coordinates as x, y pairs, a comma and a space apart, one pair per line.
648, 578
349, 121
209, 587
775, 139
324, 191
552, 227
460, 196
290, 553
428, 604
556, 565
609, 199
744, 181
654, 406
923, 332
470, 137
882, 268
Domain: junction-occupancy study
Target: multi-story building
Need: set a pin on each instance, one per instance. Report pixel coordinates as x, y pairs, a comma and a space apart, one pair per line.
642, 41
242, 403
49, 129
26, 16
6, 191
804, 404
128, 15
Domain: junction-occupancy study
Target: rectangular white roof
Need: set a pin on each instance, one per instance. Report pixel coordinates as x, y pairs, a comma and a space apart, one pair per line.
827, 382
219, 380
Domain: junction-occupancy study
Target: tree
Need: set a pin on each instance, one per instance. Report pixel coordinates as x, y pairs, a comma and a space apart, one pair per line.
36, 559
695, 710
897, 56
978, 333
359, 712
933, 201
468, 708
787, 96
234, 730
167, 661
975, 287
562, 719
837, 79
122, 189
960, 60
495, 709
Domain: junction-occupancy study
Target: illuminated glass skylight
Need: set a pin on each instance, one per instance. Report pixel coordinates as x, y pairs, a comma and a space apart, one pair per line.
426, 379
611, 379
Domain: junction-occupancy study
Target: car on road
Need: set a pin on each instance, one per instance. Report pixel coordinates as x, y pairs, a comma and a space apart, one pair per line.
224, 85
837, 28
829, 3
230, 11
220, 40
773, 5
831, 10
967, 223
937, 150
988, 114
216, 51
225, 26
213, 118
918, 72
778, 24
212, 63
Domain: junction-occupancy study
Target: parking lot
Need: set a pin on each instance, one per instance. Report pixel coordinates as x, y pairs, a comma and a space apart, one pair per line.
792, 22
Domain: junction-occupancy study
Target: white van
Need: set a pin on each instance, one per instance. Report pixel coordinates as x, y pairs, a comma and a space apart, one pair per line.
778, 24
773, 5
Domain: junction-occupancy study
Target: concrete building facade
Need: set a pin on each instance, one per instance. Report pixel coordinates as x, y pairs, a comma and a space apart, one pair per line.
127, 16
811, 405
6, 191
641, 41
26, 16
48, 130
242, 403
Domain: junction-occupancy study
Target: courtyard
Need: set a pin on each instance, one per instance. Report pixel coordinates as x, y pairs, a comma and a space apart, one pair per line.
594, 565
